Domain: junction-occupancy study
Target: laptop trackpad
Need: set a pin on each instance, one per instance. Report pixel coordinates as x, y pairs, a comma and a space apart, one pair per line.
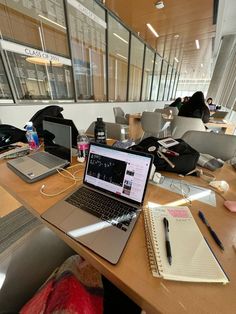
82, 226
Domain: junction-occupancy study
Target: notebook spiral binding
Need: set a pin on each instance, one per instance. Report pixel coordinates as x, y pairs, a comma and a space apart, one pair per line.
153, 264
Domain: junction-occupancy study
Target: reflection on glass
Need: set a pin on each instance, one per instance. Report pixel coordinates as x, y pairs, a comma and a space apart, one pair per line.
5, 92
156, 77
136, 65
87, 29
39, 81
38, 24
163, 79
147, 74
167, 85
118, 44
34, 36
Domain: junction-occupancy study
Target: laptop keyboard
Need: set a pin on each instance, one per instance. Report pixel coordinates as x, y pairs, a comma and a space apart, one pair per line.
103, 207
46, 160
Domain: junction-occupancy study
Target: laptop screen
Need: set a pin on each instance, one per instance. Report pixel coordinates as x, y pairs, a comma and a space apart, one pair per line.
57, 139
69, 122
122, 173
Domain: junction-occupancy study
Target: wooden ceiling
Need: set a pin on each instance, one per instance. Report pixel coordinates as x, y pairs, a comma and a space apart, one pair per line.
178, 24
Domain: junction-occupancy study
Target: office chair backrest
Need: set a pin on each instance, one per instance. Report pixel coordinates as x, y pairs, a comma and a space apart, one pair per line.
120, 116
179, 125
169, 111
221, 146
115, 131
153, 124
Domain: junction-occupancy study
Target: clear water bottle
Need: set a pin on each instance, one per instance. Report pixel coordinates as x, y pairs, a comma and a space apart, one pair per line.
100, 133
82, 146
32, 136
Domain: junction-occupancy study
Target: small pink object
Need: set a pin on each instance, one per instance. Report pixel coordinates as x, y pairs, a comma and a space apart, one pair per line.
230, 205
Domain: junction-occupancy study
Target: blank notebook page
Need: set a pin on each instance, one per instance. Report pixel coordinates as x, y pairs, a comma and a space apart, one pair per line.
192, 259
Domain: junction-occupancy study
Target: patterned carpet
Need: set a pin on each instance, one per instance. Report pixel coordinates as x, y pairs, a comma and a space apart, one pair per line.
14, 225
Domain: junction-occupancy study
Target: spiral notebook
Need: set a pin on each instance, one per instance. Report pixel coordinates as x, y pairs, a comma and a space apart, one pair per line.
192, 258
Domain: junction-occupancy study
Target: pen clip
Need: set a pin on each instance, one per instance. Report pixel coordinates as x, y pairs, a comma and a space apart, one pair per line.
166, 224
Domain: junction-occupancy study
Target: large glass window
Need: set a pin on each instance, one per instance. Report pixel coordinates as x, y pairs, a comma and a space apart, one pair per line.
118, 47
34, 40
167, 85
38, 24
156, 77
5, 92
87, 30
173, 77
163, 80
136, 66
147, 74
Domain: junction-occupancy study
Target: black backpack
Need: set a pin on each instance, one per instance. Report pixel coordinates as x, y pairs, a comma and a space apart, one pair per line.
9, 134
185, 162
38, 117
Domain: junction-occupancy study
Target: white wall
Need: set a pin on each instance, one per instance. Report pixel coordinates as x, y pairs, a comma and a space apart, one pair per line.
81, 113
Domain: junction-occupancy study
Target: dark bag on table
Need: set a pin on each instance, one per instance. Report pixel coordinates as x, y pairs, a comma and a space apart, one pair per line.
9, 134
185, 162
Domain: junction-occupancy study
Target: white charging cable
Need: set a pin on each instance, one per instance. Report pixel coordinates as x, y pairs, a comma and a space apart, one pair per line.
72, 176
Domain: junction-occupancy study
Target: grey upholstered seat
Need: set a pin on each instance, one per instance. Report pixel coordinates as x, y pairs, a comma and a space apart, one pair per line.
115, 131
153, 124
26, 264
221, 146
179, 125
120, 116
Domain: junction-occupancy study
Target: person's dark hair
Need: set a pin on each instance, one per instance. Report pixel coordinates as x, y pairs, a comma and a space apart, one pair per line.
197, 99
209, 99
186, 99
179, 99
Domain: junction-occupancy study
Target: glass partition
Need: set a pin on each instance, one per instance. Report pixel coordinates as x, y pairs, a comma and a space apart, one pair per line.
118, 48
136, 67
167, 84
173, 77
147, 74
34, 39
156, 77
162, 80
87, 31
5, 93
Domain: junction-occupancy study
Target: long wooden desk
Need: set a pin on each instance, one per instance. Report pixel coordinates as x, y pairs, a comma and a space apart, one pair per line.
227, 128
132, 274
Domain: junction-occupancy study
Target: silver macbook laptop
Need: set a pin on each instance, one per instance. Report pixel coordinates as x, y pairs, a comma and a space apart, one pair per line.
57, 154
102, 212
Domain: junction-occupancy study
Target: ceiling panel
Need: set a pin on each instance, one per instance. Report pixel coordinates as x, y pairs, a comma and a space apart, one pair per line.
187, 20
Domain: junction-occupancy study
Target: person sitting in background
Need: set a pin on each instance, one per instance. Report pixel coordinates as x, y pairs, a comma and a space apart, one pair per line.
196, 108
212, 106
177, 103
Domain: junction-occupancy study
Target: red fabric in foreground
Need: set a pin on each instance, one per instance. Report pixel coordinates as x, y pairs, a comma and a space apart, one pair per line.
71, 290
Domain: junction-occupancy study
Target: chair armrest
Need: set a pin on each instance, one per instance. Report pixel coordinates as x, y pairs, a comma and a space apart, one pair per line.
26, 264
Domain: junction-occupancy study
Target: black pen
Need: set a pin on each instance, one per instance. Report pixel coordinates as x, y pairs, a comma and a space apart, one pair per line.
212, 232
167, 240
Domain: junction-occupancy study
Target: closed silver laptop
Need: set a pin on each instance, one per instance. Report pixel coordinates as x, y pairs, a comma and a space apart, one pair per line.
57, 154
102, 212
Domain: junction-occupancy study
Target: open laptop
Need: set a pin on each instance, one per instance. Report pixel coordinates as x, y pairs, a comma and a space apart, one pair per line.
57, 154
102, 212
219, 114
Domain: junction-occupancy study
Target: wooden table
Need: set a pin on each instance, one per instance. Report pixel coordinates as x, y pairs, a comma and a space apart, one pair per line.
227, 128
132, 274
